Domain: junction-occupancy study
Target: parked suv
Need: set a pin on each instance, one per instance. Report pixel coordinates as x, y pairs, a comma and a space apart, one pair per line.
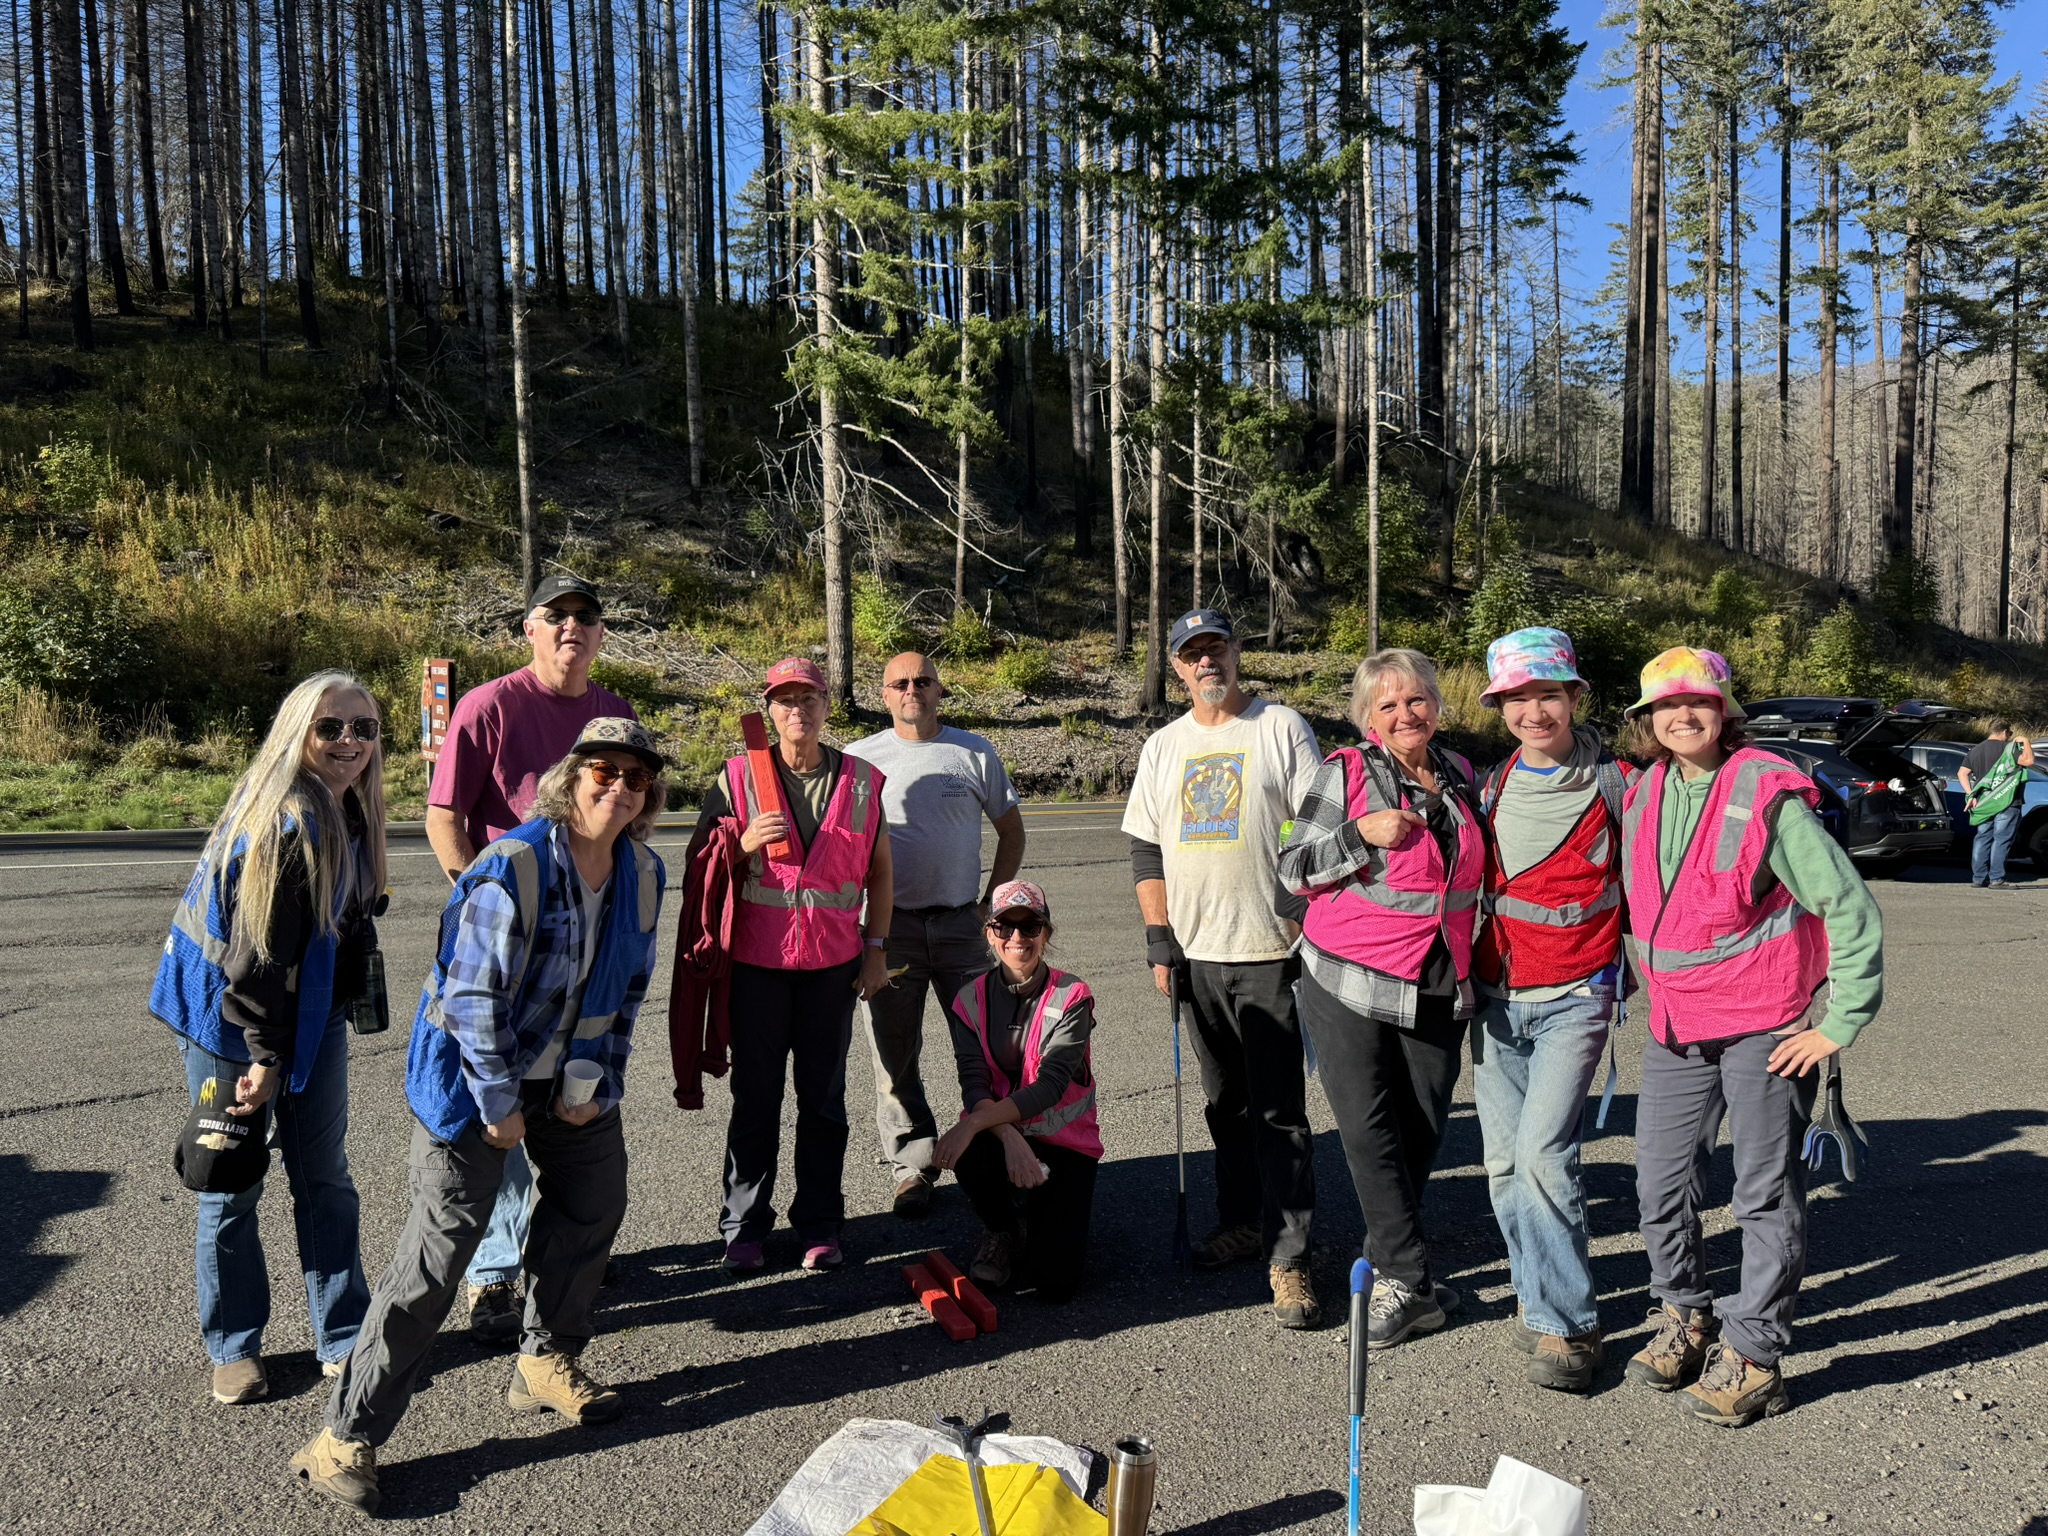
1886, 810
1945, 759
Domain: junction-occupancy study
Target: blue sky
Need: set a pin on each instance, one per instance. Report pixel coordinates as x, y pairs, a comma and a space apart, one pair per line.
1599, 119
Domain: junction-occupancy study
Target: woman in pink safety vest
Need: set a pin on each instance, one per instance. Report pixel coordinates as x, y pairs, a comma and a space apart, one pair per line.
809, 931
1026, 1146
1388, 847
1763, 955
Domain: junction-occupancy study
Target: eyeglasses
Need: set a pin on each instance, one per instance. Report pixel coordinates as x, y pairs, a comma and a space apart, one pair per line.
363, 727
905, 684
556, 618
1025, 927
604, 774
1194, 652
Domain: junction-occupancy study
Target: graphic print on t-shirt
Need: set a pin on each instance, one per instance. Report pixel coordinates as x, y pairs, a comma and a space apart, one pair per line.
1212, 798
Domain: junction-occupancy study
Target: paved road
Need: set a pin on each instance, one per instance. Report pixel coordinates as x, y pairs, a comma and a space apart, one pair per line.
1920, 1381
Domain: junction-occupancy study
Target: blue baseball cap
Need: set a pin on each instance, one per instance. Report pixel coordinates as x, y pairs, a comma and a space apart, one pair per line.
1198, 621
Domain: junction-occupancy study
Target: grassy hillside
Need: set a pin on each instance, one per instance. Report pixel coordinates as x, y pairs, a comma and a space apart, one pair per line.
181, 539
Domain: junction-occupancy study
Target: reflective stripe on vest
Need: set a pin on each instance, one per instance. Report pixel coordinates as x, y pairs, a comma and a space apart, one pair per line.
1773, 925
1059, 994
1570, 915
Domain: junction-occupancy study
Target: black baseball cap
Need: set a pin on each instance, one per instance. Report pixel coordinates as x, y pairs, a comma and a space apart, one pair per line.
1199, 621
218, 1153
555, 588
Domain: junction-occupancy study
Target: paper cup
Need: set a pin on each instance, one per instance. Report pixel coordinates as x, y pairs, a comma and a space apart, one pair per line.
579, 1083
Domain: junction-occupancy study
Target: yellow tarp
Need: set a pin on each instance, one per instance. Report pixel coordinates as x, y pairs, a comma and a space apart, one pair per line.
937, 1500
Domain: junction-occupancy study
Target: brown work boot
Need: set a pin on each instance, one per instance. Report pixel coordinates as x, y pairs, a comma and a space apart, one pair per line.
240, 1381
994, 1260
1565, 1364
1733, 1391
1520, 1335
1228, 1245
1294, 1298
344, 1470
1677, 1350
557, 1382
495, 1312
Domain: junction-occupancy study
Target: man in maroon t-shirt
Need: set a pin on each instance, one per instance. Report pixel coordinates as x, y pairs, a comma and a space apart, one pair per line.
502, 737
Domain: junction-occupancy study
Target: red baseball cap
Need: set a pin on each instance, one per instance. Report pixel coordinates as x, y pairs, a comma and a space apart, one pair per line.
793, 669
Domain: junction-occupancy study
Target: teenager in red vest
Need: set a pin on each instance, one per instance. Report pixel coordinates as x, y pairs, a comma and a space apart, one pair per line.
1026, 1145
1741, 907
1548, 964
809, 931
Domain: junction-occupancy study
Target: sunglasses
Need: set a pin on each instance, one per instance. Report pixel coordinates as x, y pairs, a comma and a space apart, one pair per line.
556, 618
363, 727
1027, 927
604, 774
905, 684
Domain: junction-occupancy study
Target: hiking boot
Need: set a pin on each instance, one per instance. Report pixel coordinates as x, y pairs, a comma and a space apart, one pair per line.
1565, 1364
1733, 1391
994, 1260
820, 1257
1294, 1298
1520, 1335
240, 1381
1395, 1313
494, 1312
1447, 1298
744, 1259
1677, 1350
557, 1382
344, 1470
914, 1198
1228, 1245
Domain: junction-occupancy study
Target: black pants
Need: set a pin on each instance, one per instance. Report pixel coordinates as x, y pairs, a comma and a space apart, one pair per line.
1248, 1042
1054, 1215
1390, 1090
777, 1016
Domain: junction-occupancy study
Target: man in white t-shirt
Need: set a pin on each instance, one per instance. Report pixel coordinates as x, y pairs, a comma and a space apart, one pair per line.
1211, 794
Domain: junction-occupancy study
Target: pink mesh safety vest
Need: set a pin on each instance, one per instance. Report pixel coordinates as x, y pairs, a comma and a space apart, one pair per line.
1071, 1122
1389, 916
1726, 952
802, 913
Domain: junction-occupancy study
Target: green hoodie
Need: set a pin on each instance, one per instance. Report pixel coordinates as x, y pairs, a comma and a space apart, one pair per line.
1812, 866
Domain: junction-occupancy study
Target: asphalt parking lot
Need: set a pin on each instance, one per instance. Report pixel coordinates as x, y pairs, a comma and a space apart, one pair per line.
1919, 1381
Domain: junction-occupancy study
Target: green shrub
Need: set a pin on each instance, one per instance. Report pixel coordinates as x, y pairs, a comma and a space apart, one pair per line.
1348, 630
881, 625
1505, 602
1765, 658
1611, 649
967, 637
1027, 668
1734, 599
75, 475
1844, 658
71, 633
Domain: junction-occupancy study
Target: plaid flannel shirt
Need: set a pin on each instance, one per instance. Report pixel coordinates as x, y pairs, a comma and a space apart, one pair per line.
501, 1035
1324, 853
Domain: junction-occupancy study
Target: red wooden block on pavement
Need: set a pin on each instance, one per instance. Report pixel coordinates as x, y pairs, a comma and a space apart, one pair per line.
943, 1269
933, 1298
965, 1292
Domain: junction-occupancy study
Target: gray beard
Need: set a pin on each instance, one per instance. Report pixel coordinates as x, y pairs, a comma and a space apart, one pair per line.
1212, 694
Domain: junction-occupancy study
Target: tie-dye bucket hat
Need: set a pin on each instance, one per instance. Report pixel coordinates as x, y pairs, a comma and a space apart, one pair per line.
1534, 655
1683, 669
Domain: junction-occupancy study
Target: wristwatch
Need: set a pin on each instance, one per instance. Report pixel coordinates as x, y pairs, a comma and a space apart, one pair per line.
265, 1061
878, 943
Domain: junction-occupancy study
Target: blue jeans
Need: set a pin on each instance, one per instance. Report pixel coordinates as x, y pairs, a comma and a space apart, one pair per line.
498, 1255
311, 1130
1992, 844
1534, 1065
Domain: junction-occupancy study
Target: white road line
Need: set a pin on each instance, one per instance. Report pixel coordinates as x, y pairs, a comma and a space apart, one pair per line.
186, 861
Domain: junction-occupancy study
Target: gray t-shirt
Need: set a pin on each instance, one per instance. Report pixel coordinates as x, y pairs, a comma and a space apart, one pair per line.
936, 795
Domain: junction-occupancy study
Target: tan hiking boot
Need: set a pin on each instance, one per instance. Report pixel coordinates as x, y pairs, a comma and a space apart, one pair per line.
240, 1381
1565, 1364
1677, 1349
1228, 1245
1733, 1391
344, 1470
495, 1312
1294, 1298
1521, 1336
994, 1260
557, 1382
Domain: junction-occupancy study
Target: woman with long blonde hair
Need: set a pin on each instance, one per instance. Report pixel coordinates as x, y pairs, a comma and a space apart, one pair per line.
268, 949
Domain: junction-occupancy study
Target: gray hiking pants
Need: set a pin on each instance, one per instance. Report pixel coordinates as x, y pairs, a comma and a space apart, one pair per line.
1678, 1121
581, 1182
944, 948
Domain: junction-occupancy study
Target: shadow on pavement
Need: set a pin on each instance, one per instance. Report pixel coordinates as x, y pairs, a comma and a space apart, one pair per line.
28, 1199
1273, 1515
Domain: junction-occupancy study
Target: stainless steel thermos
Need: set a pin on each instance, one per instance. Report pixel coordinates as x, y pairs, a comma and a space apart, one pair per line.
1133, 1475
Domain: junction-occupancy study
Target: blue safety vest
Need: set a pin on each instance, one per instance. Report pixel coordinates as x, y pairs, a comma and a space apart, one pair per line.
192, 978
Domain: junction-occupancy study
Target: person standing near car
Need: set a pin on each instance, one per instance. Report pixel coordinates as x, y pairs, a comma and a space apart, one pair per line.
1763, 955
502, 737
939, 784
1548, 964
1993, 774
1208, 803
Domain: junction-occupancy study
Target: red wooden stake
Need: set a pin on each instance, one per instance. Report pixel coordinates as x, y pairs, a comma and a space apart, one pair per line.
932, 1296
761, 769
964, 1291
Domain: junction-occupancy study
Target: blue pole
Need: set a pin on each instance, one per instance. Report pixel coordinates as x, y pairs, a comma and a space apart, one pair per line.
1361, 1291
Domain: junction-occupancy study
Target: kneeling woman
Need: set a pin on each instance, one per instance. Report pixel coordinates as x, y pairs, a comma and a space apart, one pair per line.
1740, 905
1026, 1147
522, 1035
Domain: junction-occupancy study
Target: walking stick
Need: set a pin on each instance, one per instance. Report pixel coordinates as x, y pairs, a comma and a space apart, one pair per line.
1183, 1245
1361, 1290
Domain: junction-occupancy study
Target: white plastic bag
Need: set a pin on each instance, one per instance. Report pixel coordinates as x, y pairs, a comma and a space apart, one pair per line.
1519, 1500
